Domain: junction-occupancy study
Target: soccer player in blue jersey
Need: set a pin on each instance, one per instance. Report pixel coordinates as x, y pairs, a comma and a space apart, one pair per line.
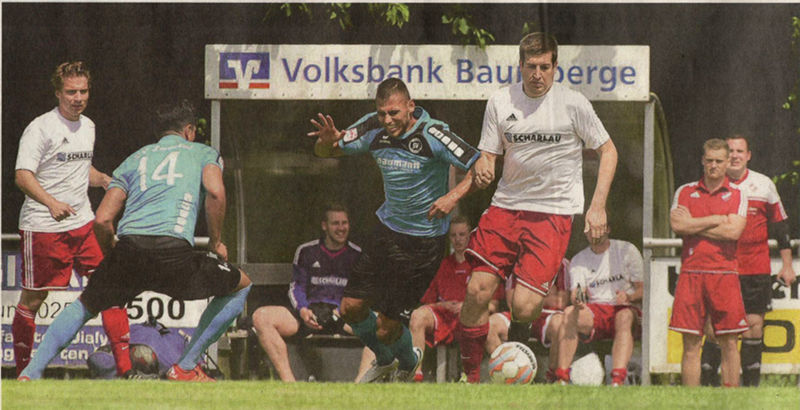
161, 188
414, 153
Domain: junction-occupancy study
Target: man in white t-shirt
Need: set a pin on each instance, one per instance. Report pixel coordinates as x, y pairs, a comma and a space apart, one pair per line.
54, 169
606, 292
540, 129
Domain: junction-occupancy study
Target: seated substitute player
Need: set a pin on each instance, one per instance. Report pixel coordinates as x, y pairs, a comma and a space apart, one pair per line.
160, 188
413, 152
436, 322
320, 271
710, 215
545, 328
611, 273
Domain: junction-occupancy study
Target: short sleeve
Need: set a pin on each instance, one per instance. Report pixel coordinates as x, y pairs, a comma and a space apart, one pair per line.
587, 124
491, 139
634, 265
32, 147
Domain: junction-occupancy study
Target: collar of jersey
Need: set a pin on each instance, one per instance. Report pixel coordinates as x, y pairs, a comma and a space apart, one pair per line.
724, 187
172, 138
422, 116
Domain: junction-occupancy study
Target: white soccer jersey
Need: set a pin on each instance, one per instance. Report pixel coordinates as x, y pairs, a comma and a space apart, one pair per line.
763, 207
59, 153
541, 140
602, 276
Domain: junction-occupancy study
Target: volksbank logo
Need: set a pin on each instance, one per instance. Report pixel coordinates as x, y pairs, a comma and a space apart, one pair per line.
244, 70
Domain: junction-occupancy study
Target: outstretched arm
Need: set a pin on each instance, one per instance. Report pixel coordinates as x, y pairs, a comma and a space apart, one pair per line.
327, 137
596, 218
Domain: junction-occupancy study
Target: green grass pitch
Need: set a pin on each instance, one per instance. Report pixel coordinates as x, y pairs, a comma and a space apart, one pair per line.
120, 394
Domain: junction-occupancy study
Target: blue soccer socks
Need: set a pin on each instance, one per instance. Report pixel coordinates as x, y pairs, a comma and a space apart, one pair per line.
58, 336
215, 319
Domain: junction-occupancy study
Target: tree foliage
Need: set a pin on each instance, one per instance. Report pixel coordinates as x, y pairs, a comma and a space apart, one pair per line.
458, 17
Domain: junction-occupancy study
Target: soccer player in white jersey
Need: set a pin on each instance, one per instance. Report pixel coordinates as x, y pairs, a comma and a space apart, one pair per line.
611, 273
764, 208
54, 169
540, 128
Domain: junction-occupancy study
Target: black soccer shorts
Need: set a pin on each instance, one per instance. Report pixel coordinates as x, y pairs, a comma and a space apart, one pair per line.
160, 264
756, 293
394, 271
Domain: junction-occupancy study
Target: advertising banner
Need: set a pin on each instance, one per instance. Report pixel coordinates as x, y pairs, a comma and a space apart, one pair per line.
171, 312
436, 72
781, 325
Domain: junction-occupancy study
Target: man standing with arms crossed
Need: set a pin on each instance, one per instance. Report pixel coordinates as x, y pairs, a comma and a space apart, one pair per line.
752, 252
414, 153
54, 167
540, 128
710, 216
161, 188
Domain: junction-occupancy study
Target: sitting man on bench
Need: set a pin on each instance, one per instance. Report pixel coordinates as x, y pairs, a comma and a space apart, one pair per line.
607, 287
320, 271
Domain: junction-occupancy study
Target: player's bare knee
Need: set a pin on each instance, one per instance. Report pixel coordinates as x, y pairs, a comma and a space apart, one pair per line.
261, 318
32, 299
624, 318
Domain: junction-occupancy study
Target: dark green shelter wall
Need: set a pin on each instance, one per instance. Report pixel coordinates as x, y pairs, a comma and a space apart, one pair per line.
285, 186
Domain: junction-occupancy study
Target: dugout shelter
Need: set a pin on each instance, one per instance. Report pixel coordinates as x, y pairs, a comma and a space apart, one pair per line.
263, 96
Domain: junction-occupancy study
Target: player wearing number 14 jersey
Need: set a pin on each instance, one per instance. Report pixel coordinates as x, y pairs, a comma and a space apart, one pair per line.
161, 187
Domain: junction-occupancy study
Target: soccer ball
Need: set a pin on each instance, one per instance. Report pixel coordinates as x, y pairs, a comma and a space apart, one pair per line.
144, 359
587, 371
512, 363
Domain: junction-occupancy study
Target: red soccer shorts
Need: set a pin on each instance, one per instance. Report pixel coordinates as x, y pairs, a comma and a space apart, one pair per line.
701, 295
539, 326
445, 325
49, 257
528, 244
603, 327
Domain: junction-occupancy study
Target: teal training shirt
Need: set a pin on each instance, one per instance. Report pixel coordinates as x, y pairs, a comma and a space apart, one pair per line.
415, 168
164, 182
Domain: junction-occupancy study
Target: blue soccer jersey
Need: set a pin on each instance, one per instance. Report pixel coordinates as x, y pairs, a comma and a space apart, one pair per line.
163, 182
415, 168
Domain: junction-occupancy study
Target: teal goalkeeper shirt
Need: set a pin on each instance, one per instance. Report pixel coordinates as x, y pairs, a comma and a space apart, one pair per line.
163, 182
415, 168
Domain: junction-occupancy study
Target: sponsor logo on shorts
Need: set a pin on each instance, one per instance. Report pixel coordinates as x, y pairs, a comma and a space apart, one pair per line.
512, 137
74, 156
